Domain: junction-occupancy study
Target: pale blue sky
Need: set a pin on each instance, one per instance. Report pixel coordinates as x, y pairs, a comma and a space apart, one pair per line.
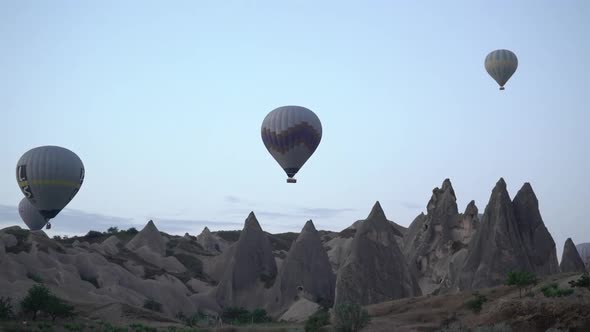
163, 102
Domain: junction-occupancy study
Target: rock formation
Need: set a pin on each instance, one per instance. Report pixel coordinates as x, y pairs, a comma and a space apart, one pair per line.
150, 238
497, 247
251, 270
584, 251
375, 270
537, 240
306, 272
571, 260
434, 238
211, 242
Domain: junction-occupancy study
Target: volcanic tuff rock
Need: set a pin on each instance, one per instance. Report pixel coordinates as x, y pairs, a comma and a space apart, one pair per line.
584, 251
211, 242
375, 270
340, 245
306, 272
497, 247
434, 238
251, 270
571, 260
537, 239
150, 238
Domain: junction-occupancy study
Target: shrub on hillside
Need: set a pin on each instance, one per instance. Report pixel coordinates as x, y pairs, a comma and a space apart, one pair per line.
113, 230
523, 280
93, 234
56, 307
316, 321
554, 291
36, 300
475, 304
350, 317
582, 282
6, 308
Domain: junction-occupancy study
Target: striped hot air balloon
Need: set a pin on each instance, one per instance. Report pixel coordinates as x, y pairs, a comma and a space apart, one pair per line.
30, 215
49, 177
291, 134
501, 65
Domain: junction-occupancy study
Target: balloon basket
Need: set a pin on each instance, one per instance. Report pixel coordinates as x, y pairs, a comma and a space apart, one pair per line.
291, 180
48, 226
501, 88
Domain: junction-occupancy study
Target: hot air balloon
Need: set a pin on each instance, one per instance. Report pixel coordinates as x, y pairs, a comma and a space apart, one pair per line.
30, 215
291, 134
501, 65
49, 177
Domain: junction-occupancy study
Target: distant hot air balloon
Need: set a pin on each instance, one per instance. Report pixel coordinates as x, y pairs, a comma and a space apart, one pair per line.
291, 134
49, 177
30, 215
501, 65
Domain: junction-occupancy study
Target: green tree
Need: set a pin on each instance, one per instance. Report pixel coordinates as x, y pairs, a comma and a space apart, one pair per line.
522, 280
350, 317
113, 230
36, 299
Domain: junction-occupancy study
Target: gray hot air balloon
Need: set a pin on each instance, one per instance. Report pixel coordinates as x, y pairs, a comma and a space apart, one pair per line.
501, 65
291, 134
30, 215
49, 177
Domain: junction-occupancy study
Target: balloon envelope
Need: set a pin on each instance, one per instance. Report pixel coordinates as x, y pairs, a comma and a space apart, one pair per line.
49, 177
501, 65
291, 134
30, 215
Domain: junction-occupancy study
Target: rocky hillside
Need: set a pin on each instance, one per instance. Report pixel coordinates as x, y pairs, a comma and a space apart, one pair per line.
291, 275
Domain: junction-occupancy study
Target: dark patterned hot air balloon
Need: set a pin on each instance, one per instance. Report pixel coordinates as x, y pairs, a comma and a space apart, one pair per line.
291, 134
501, 65
49, 177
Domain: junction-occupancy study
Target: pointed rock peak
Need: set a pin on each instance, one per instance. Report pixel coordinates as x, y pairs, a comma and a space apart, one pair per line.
447, 185
252, 222
500, 185
471, 209
569, 243
309, 227
206, 230
526, 191
376, 212
151, 226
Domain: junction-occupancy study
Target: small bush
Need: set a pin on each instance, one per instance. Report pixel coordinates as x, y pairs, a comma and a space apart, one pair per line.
475, 304
6, 308
152, 305
260, 316
56, 307
522, 280
317, 320
350, 317
554, 291
582, 282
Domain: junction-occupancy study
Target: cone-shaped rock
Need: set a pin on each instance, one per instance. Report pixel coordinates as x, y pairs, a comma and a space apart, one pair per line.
149, 237
584, 251
537, 239
571, 260
375, 271
433, 239
497, 248
250, 271
211, 242
306, 272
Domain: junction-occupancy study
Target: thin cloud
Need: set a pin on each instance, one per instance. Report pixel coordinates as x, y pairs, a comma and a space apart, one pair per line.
324, 212
232, 199
410, 205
